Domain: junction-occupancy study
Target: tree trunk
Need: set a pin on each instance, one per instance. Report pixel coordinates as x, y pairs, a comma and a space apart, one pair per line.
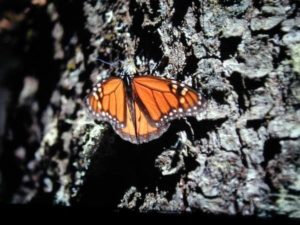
240, 155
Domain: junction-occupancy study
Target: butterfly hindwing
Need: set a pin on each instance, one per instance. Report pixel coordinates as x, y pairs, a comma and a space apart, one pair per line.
139, 130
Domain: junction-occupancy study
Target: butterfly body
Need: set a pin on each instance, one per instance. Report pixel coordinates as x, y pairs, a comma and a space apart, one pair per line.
140, 108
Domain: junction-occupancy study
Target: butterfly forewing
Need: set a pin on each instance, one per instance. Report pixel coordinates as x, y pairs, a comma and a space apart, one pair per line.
164, 100
107, 101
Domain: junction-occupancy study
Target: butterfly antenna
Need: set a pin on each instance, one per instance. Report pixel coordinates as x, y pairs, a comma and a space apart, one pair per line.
112, 64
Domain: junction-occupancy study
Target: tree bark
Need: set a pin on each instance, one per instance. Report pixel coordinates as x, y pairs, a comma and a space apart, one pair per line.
240, 155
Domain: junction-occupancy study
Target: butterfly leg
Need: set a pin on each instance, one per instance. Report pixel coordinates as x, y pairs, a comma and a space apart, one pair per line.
190, 128
163, 62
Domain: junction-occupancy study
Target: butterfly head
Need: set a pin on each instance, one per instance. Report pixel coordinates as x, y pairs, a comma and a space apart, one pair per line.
128, 68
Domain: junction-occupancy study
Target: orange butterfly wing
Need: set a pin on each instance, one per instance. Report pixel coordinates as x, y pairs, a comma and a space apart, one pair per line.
107, 102
146, 114
138, 129
164, 100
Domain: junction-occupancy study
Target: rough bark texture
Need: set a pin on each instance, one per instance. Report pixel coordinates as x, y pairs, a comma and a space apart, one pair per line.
239, 156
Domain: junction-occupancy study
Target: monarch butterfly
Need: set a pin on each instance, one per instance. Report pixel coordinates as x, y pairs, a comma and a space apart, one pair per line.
140, 108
